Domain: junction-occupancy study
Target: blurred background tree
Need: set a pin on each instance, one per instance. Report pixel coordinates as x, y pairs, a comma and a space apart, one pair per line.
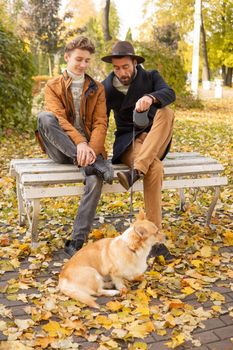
216, 32
16, 70
220, 26
42, 26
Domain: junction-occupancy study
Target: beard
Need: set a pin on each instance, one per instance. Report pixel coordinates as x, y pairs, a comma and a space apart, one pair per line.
127, 80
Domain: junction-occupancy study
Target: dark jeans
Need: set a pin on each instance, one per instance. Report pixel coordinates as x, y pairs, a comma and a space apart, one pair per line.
61, 149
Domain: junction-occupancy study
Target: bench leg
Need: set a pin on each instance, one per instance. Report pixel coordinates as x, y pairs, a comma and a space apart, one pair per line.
34, 221
182, 199
21, 209
211, 208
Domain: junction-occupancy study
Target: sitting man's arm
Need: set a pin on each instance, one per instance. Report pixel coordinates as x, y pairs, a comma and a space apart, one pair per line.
99, 123
53, 104
162, 95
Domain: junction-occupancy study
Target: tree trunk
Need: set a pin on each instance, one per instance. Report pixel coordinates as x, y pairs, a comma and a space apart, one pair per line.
224, 75
50, 66
229, 77
57, 57
205, 68
105, 25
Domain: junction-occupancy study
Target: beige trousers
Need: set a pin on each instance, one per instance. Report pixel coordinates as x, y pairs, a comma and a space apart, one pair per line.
148, 149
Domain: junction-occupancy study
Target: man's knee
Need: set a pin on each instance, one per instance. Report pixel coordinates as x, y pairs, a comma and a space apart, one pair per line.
46, 119
93, 183
156, 169
166, 114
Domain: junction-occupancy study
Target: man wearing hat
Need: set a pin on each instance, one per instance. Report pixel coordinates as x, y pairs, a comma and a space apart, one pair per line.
130, 87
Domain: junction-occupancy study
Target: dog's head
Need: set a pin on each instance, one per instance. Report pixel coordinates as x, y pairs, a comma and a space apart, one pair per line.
144, 232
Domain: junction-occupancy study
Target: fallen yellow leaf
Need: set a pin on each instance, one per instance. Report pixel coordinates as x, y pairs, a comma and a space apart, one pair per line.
143, 310
119, 333
230, 273
97, 233
114, 305
138, 330
104, 321
197, 263
138, 346
216, 296
13, 345
170, 321
176, 341
54, 329
206, 251
174, 305
228, 238
43, 342
216, 308
161, 332
187, 290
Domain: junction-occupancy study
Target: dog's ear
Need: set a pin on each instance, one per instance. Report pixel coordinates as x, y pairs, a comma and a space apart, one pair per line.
141, 215
137, 236
140, 230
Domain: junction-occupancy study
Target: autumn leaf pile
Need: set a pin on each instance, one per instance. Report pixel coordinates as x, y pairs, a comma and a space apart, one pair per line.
172, 300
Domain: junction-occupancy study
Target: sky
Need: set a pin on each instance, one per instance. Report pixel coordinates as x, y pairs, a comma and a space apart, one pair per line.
130, 13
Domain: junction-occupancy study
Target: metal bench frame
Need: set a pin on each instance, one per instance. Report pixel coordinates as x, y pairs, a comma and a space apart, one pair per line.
42, 178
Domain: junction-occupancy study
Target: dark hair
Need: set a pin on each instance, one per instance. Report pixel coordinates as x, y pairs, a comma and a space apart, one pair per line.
82, 43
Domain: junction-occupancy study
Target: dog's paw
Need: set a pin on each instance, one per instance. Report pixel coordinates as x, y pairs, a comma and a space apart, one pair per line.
123, 291
94, 305
139, 278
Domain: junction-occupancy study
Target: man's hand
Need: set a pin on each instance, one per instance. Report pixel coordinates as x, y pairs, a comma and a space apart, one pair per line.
85, 154
143, 103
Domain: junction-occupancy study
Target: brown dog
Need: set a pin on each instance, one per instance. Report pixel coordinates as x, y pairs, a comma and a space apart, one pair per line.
119, 258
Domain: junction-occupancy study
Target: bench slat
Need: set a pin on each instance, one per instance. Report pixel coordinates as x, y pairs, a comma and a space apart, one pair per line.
193, 169
43, 192
55, 178
68, 168
39, 161
182, 154
188, 162
18, 162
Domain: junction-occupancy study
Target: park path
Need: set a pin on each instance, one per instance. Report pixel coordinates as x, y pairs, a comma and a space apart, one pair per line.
216, 335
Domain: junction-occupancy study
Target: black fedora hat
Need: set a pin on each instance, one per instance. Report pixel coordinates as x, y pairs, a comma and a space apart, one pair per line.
122, 48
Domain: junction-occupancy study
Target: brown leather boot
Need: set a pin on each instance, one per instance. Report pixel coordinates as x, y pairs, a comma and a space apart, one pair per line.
128, 177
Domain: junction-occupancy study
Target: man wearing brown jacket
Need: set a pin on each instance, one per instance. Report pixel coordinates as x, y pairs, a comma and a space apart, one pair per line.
73, 128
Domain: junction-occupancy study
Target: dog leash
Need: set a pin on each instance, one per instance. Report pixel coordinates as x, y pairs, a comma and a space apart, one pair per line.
140, 120
132, 171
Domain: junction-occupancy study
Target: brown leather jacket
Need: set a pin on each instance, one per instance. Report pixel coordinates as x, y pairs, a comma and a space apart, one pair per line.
59, 101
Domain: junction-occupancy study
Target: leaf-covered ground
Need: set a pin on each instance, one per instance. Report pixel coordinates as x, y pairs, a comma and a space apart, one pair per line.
173, 300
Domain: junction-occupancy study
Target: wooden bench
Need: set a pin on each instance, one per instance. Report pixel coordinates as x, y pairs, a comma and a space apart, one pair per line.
42, 178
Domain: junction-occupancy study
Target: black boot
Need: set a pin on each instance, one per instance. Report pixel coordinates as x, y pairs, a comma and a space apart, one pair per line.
128, 178
72, 246
161, 249
102, 168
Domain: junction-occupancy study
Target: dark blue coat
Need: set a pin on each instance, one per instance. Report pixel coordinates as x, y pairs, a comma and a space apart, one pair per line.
145, 82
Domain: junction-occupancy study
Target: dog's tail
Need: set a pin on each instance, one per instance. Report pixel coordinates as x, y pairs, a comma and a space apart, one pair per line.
75, 292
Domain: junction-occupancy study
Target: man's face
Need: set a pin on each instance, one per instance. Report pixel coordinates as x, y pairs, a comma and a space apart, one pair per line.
77, 61
124, 69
